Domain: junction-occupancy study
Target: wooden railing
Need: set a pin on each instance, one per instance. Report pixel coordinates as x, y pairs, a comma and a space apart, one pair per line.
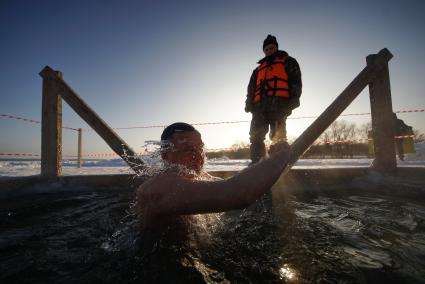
375, 74
54, 90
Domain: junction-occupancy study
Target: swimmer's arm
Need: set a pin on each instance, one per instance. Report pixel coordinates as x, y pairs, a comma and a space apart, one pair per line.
176, 195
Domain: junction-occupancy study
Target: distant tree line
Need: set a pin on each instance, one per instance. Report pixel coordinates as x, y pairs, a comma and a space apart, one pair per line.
237, 151
340, 140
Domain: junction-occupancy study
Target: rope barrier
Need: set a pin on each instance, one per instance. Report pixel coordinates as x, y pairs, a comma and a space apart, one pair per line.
20, 154
246, 121
334, 142
30, 120
200, 123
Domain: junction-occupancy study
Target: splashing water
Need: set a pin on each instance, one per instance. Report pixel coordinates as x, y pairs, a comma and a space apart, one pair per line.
155, 165
125, 237
152, 163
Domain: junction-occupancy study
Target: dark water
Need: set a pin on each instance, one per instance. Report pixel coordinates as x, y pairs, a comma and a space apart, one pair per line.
354, 237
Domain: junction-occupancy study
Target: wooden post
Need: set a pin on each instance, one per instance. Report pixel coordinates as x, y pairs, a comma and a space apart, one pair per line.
382, 120
51, 127
80, 145
117, 144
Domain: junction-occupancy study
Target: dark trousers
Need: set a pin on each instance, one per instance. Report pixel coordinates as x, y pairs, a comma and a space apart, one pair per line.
260, 124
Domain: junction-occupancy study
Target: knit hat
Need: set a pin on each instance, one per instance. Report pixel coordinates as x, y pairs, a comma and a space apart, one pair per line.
270, 40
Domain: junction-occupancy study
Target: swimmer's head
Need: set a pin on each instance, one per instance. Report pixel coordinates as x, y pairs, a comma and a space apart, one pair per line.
182, 144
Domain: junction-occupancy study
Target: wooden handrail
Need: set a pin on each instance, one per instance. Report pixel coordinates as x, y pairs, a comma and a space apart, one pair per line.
118, 145
306, 139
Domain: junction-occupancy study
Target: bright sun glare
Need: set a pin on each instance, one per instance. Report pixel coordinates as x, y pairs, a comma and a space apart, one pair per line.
287, 273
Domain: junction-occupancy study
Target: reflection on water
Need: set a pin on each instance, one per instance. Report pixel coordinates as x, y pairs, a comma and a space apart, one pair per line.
382, 234
331, 238
288, 274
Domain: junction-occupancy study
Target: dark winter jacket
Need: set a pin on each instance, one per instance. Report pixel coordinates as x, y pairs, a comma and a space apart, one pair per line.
401, 128
278, 104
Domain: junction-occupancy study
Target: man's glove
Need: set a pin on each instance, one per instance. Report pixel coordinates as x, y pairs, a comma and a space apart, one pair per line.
280, 146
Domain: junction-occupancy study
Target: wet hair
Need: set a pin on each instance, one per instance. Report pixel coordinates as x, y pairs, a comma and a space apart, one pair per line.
169, 131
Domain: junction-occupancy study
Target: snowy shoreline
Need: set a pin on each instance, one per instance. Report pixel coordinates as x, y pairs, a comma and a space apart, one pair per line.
117, 166
10, 168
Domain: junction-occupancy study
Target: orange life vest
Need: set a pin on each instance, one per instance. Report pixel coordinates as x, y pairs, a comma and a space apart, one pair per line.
272, 79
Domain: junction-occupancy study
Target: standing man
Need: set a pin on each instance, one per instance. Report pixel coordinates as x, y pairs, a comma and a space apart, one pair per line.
274, 90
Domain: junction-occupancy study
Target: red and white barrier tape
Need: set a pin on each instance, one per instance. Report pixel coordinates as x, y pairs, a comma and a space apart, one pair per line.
101, 155
66, 156
358, 140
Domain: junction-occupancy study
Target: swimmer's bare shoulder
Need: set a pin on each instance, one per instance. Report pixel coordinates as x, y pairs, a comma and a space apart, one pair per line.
173, 194
151, 190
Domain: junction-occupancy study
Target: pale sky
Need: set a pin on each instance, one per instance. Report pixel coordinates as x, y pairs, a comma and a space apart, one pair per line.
140, 63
